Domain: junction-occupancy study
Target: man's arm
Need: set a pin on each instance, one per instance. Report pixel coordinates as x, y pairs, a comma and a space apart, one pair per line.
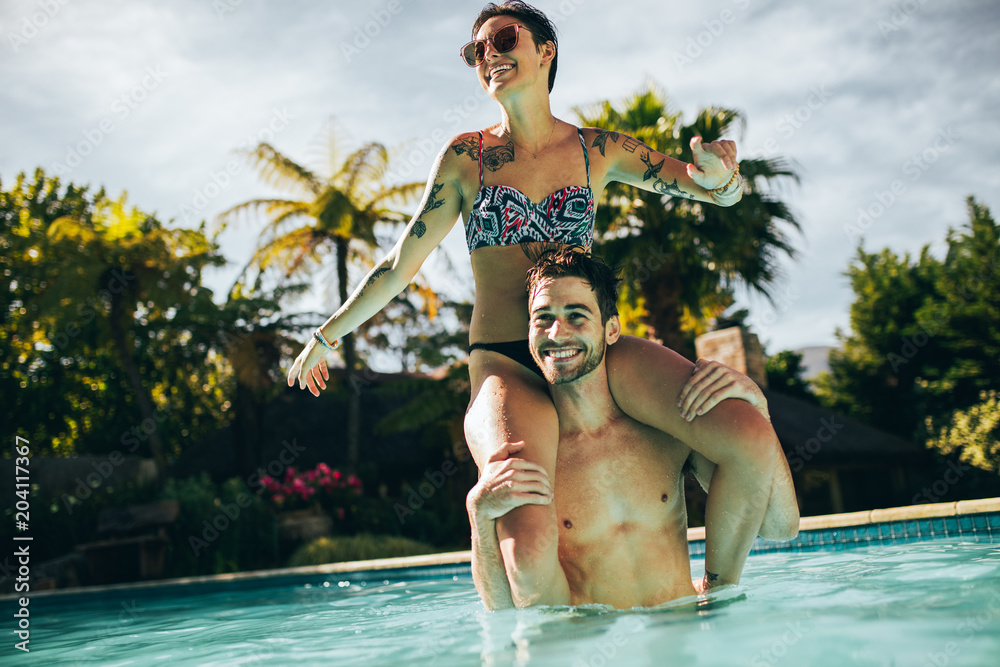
488, 571
505, 484
781, 519
710, 383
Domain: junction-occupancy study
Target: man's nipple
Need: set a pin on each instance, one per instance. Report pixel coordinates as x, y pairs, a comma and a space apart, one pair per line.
663, 498
568, 523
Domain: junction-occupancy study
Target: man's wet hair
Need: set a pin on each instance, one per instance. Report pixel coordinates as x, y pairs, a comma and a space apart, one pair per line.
569, 263
542, 29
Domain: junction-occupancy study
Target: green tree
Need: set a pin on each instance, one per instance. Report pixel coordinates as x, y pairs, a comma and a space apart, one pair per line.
253, 336
784, 374
93, 289
339, 211
973, 433
863, 381
925, 334
682, 258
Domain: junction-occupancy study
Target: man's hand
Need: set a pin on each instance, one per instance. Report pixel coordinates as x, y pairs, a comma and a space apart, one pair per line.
713, 164
507, 483
712, 382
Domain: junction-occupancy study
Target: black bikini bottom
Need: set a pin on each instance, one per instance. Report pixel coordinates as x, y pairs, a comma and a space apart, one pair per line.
517, 350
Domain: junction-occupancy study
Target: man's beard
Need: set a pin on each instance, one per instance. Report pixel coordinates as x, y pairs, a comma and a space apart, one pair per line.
594, 357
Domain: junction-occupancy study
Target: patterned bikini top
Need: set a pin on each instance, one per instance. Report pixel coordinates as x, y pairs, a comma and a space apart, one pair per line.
504, 216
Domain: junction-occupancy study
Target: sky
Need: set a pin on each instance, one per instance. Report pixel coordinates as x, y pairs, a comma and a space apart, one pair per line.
888, 110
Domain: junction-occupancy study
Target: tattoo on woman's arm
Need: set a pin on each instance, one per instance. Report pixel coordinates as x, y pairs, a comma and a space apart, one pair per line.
419, 228
371, 280
651, 169
671, 189
602, 138
711, 576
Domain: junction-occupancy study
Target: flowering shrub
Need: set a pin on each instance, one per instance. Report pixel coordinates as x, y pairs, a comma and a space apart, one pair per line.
321, 486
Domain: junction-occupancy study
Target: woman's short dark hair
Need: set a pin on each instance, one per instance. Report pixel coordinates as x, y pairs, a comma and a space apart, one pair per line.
542, 29
569, 263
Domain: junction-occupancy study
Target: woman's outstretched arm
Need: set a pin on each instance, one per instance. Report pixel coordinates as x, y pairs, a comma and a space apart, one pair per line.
626, 160
439, 209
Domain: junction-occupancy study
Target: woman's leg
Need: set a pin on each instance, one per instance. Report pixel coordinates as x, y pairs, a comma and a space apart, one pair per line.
645, 379
511, 404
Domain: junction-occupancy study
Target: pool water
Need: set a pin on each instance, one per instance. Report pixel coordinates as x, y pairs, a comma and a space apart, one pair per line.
930, 603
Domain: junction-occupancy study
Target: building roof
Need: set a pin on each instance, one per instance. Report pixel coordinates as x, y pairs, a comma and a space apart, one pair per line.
829, 438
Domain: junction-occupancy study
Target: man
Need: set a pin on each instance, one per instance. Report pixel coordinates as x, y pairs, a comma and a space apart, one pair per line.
619, 483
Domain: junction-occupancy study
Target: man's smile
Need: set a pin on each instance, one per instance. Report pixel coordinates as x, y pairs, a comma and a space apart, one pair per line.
563, 353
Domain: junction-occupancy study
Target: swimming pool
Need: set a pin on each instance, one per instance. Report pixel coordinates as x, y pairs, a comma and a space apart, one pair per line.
934, 602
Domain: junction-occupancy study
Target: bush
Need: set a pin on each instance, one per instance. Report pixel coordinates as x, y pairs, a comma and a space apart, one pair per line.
359, 547
973, 433
220, 529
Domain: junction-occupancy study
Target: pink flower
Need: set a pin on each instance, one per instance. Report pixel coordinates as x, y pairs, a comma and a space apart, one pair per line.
279, 498
340, 513
353, 480
336, 474
289, 473
323, 468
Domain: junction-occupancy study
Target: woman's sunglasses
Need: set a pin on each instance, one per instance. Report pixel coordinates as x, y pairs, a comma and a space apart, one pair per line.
504, 40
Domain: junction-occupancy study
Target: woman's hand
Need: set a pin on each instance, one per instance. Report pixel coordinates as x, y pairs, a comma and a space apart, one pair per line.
714, 162
711, 383
310, 368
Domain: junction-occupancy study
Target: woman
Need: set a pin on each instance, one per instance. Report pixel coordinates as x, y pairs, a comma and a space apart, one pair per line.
529, 183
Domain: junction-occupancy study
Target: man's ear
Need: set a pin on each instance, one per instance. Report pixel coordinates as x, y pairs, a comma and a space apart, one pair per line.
612, 330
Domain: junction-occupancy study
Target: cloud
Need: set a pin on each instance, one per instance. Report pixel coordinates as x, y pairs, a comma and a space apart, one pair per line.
395, 76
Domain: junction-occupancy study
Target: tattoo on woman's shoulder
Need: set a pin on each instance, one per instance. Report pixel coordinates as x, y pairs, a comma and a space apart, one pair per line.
494, 157
468, 146
497, 156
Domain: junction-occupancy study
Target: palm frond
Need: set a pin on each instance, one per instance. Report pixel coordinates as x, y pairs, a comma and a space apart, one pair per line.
281, 171
365, 165
275, 209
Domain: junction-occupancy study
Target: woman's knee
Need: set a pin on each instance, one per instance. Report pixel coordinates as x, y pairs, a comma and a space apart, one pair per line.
507, 410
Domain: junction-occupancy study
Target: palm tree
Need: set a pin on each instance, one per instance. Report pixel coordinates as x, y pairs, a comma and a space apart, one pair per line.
338, 212
682, 258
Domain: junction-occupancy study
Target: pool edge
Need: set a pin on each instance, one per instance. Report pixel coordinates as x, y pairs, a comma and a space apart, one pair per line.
694, 535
